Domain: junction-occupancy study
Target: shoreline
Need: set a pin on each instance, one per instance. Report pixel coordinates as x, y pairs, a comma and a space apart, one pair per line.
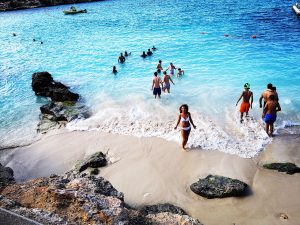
4, 6
153, 170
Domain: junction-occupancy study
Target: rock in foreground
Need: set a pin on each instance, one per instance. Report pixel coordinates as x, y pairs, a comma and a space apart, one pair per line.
289, 168
219, 187
76, 198
6, 176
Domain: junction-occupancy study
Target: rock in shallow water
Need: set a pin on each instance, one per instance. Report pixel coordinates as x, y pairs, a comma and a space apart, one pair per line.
219, 187
44, 85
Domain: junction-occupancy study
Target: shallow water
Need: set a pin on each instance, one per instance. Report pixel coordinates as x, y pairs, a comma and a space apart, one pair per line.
80, 51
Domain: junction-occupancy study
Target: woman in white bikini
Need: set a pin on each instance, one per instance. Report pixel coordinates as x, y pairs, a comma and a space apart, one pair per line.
186, 120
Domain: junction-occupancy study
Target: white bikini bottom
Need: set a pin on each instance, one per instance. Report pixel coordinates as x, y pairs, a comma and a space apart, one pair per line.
186, 128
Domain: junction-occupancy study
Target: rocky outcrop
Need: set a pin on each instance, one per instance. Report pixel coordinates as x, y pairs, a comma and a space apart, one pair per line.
289, 168
44, 85
77, 198
219, 187
6, 176
63, 106
8, 5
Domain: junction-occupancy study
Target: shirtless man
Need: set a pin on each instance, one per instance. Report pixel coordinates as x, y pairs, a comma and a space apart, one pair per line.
246, 95
266, 94
159, 67
270, 112
156, 85
121, 58
167, 80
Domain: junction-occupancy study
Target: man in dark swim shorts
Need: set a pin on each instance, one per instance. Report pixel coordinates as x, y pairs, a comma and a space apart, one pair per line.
156, 82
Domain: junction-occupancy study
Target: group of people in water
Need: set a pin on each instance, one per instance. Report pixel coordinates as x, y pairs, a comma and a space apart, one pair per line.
270, 106
159, 84
149, 52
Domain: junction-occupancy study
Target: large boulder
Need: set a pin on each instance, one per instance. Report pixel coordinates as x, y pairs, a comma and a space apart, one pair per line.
219, 187
44, 85
6, 176
289, 168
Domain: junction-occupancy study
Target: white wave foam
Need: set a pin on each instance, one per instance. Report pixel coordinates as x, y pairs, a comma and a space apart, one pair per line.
154, 119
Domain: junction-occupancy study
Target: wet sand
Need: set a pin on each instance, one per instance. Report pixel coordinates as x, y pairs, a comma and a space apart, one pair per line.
153, 170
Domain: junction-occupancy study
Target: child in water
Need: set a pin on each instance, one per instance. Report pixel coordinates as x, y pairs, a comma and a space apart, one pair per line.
180, 72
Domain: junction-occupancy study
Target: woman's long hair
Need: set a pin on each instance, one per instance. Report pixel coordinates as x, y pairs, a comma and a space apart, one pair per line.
186, 108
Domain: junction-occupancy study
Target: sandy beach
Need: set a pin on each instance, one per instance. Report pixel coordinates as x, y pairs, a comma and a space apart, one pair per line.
153, 170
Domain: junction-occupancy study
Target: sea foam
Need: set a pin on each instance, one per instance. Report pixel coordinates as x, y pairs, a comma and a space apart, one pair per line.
155, 118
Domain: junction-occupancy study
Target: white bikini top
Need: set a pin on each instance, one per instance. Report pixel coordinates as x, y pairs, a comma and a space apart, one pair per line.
185, 120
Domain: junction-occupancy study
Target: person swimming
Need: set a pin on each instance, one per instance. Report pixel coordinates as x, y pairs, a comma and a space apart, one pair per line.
114, 71
149, 52
121, 58
180, 72
159, 66
127, 54
154, 48
144, 55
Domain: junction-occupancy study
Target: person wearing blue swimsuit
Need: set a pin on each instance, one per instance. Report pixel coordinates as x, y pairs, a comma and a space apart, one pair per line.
186, 120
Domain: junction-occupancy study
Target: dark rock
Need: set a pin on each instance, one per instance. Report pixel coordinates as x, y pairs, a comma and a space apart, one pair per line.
6, 176
56, 114
153, 209
44, 85
7, 5
289, 168
219, 187
94, 171
96, 160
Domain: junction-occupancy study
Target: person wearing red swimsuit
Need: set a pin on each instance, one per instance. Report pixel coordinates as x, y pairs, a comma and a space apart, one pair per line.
247, 101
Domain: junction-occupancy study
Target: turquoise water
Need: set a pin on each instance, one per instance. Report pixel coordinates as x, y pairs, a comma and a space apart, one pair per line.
80, 51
